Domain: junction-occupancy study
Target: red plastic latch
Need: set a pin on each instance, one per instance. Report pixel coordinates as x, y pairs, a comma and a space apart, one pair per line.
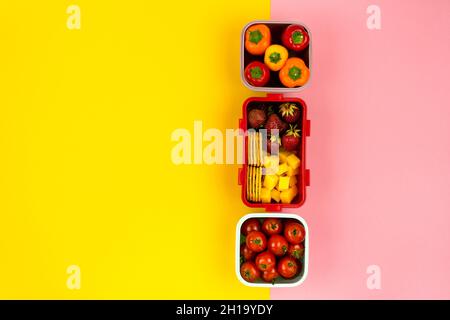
275, 96
241, 124
308, 128
275, 208
240, 173
307, 177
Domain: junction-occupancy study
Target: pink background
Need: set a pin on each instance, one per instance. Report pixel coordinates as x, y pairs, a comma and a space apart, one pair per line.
379, 151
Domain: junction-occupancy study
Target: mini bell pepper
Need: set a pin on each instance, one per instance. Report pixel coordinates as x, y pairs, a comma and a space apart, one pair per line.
295, 37
275, 57
294, 73
257, 73
257, 39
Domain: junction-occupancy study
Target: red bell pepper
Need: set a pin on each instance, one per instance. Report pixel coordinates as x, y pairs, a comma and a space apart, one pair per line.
295, 37
257, 73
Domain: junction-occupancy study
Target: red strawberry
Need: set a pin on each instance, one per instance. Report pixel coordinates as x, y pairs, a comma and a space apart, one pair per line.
290, 112
273, 139
291, 140
274, 122
256, 118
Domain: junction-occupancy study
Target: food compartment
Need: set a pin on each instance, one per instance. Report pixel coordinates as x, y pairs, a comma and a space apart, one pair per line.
272, 250
270, 178
275, 56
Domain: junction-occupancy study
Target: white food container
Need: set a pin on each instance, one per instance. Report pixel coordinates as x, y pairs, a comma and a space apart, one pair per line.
280, 281
276, 30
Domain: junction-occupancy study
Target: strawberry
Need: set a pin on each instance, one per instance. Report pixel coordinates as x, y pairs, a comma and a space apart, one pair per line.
274, 122
290, 112
256, 118
291, 140
272, 139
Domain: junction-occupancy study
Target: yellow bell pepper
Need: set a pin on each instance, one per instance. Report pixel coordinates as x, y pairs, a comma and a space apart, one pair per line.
275, 57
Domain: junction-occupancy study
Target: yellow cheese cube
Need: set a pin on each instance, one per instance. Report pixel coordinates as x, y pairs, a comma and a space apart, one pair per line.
285, 197
282, 168
271, 164
283, 156
265, 195
270, 181
292, 172
293, 181
283, 183
293, 161
275, 194
294, 191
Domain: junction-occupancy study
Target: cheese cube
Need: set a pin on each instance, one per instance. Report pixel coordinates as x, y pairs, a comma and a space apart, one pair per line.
287, 196
293, 161
270, 181
283, 183
293, 181
275, 194
283, 156
265, 195
271, 164
292, 172
282, 168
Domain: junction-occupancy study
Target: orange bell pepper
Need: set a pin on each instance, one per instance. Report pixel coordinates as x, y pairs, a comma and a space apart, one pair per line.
295, 73
257, 39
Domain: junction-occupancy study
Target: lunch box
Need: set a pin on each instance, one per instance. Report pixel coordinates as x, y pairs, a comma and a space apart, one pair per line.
276, 28
303, 177
281, 282
275, 96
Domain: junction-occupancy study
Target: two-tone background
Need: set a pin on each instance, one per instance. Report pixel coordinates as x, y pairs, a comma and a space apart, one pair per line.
86, 177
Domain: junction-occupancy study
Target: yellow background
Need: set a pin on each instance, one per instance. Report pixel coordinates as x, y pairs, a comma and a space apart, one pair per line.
86, 176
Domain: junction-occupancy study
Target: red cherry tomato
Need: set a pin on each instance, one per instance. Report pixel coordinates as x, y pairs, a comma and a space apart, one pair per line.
272, 226
265, 261
296, 250
250, 225
249, 272
294, 232
278, 245
256, 241
287, 267
270, 275
247, 253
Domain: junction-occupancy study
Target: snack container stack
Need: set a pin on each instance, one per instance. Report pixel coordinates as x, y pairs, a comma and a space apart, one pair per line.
293, 176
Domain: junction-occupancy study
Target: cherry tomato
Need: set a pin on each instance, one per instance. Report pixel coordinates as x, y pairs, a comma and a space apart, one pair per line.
270, 275
256, 241
246, 252
250, 225
265, 261
272, 226
287, 267
278, 245
294, 232
249, 272
296, 250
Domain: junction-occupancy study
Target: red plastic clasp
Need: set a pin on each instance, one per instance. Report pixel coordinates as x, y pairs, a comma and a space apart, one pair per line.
274, 208
307, 177
241, 124
307, 128
275, 96
240, 177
